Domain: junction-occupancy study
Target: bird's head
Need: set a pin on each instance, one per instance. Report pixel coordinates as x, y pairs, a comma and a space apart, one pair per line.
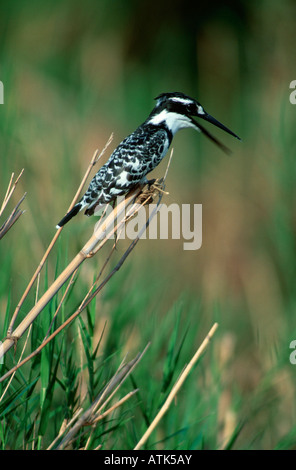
175, 111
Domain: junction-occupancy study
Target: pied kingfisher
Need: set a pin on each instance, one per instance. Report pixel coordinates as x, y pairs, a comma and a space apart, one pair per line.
143, 150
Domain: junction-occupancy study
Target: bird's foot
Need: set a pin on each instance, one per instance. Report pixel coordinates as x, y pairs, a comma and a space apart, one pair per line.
155, 186
151, 182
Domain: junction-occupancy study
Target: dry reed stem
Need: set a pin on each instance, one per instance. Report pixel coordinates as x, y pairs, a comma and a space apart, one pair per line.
17, 366
86, 252
23, 350
9, 191
16, 213
96, 157
176, 387
64, 427
89, 297
14, 216
99, 417
60, 304
112, 386
5, 200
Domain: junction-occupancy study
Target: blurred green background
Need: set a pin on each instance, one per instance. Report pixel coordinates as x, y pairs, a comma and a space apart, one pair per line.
73, 72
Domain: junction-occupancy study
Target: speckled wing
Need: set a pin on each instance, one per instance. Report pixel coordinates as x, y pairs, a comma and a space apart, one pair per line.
131, 161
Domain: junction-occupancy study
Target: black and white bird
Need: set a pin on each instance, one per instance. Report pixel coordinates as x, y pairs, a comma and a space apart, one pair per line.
140, 152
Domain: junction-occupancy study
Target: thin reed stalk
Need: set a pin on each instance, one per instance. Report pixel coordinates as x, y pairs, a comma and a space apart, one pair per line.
16, 213
176, 387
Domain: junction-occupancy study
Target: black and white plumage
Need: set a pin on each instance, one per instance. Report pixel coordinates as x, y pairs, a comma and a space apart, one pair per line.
140, 152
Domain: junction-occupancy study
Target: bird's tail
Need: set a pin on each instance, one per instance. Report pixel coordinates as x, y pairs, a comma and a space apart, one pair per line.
70, 214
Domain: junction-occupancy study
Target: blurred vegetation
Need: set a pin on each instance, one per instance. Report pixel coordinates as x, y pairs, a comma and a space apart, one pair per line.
73, 73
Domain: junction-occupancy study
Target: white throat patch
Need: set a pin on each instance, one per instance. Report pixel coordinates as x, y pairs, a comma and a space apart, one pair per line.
174, 121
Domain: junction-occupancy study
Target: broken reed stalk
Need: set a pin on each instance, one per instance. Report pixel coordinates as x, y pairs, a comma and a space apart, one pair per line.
177, 387
94, 413
14, 216
16, 213
98, 417
10, 189
96, 157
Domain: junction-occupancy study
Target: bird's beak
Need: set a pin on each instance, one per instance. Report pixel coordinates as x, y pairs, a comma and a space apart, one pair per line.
212, 120
207, 117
